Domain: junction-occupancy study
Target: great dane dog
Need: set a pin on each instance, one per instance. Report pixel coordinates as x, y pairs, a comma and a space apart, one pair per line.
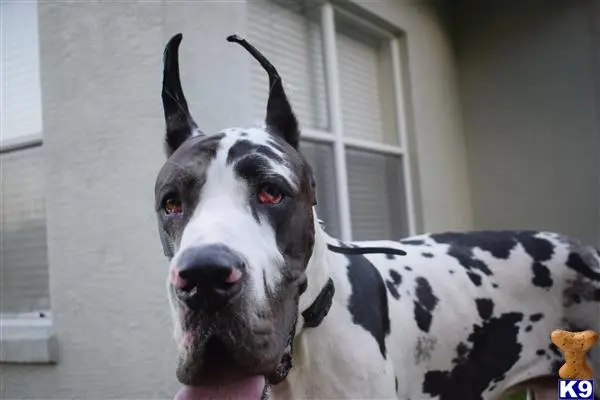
267, 305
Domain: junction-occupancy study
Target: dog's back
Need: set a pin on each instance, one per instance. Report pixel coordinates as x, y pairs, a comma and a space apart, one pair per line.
472, 312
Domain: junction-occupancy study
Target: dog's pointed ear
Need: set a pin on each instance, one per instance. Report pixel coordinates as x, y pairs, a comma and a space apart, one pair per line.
280, 119
179, 123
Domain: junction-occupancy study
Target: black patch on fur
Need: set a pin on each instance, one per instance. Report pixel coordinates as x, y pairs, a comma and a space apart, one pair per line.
396, 383
392, 289
541, 275
476, 279
461, 247
243, 148
408, 268
368, 301
540, 352
536, 317
392, 285
540, 250
498, 243
485, 308
576, 263
528, 328
424, 304
396, 277
413, 242
494, 350
427, 255
495, 285
390, 256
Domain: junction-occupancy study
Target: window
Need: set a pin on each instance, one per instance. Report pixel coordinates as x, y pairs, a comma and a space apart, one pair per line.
20, 101
25, 319
344, 78
24, 291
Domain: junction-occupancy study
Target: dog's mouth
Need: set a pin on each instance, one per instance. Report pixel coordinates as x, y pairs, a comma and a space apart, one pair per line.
247, 388
213, 365
227, 384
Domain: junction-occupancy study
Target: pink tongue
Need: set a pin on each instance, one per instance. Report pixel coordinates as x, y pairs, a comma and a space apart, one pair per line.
245, 389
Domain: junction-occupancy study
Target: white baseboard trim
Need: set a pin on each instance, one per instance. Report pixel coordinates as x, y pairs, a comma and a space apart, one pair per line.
28, 338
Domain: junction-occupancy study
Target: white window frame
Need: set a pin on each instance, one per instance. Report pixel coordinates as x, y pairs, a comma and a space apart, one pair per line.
336, 136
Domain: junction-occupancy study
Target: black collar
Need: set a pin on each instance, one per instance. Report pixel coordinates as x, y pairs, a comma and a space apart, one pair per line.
317, 311
313, 316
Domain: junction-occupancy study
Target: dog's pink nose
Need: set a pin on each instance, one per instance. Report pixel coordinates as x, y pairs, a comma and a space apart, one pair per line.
176, 280
234, 276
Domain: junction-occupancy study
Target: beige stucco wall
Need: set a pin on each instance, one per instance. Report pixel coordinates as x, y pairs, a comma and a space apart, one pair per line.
529, 77
101, 71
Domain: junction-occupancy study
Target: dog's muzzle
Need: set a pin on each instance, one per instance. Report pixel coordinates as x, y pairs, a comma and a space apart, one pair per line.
209, 277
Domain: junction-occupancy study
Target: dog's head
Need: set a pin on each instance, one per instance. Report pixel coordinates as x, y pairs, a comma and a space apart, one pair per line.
235, 217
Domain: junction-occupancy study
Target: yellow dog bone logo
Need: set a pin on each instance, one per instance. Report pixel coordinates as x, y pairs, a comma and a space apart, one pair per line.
574, 346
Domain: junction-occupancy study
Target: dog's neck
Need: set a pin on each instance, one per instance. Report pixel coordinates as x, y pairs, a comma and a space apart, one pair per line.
317, 271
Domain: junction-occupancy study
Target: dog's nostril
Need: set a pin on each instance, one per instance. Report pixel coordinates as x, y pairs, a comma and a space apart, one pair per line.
176, 280
209, 275
234, 276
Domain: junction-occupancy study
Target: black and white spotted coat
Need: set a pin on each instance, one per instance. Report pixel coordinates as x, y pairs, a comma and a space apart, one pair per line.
460, 316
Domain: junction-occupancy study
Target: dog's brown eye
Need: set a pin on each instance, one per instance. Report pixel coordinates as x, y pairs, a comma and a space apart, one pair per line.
269, 194
173, 206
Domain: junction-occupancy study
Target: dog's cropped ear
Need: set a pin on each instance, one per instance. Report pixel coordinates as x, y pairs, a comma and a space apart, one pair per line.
280, 118
179, 123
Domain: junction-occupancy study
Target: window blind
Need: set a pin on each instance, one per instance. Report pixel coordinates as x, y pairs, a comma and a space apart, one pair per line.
21, 93
376, 187
366, 83
320, 157
290, 37
24, 272
377, 196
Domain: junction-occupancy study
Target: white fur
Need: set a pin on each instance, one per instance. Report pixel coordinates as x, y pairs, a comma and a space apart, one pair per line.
340, 360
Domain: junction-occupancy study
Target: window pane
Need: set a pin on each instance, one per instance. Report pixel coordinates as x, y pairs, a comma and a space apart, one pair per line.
290, 37
20, 100
377, 200
24, 283
320, 157
366, 84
